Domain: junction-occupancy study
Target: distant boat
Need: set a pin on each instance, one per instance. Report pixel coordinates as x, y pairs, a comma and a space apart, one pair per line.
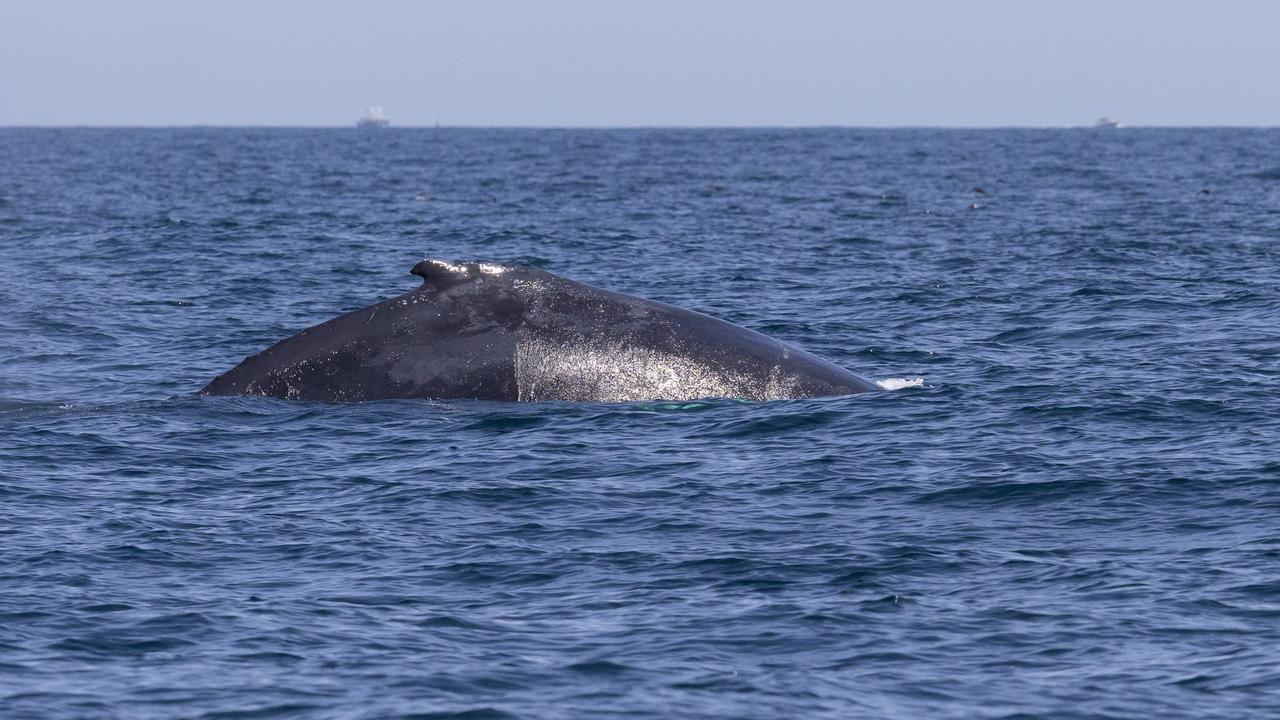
374, 117
1107, 123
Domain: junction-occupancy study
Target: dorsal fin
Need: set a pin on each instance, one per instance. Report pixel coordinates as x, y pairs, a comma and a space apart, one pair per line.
441, 273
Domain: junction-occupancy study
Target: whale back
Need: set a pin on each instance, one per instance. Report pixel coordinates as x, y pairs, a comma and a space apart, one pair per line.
453, 337
496, 332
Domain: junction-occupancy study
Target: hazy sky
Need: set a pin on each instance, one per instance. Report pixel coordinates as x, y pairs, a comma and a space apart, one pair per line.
656, 62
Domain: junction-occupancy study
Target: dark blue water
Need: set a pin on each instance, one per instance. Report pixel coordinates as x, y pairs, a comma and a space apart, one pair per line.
1075, 514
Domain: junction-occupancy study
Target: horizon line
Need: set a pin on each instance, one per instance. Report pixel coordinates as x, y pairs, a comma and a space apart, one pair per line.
438, 126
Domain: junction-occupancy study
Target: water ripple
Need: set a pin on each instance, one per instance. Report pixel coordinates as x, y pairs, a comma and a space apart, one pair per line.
1064, 509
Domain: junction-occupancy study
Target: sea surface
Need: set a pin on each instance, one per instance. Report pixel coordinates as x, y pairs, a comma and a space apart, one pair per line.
1067, 507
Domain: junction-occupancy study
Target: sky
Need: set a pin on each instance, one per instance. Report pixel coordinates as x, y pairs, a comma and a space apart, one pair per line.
984, 63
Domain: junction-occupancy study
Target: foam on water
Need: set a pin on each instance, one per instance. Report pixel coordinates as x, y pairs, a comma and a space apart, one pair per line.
900, 383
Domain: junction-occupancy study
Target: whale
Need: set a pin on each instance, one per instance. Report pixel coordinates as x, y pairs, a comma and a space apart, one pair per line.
490, 331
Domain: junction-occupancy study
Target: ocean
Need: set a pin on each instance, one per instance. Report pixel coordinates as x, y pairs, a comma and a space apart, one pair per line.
1065, 507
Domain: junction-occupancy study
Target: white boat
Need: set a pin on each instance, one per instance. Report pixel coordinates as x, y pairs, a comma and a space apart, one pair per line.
374, 117
1107, 123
